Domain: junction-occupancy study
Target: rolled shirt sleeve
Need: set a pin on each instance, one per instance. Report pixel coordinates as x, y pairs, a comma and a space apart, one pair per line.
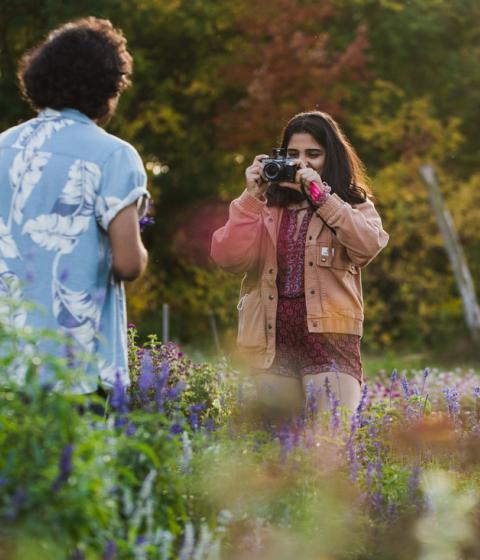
124, 182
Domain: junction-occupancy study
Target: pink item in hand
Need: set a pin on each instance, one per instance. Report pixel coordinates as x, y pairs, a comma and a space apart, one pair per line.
318, 194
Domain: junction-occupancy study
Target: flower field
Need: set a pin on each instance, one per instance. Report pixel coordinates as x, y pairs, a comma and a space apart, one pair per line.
182, 465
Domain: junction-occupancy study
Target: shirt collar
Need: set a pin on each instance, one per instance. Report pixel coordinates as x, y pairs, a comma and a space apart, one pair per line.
73, 114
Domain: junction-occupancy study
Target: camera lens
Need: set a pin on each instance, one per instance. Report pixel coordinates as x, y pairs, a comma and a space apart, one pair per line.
271, 171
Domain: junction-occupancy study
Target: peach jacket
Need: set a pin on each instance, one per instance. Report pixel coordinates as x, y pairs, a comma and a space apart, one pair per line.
247, 244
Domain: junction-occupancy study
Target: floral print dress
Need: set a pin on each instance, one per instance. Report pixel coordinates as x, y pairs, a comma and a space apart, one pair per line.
298, 351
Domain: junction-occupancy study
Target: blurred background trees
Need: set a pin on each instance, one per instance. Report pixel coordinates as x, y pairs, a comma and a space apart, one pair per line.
214, 83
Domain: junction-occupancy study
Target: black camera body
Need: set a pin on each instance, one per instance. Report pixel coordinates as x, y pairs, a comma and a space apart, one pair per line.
279, 167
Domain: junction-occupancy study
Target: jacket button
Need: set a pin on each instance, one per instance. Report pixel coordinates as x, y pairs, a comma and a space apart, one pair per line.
324, 259
310, 237
270, 219
270, 297
310, 263
270, 326
312, 291
314, 323
271, 271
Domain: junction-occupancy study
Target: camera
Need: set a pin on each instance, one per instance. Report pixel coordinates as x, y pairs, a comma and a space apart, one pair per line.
279, 167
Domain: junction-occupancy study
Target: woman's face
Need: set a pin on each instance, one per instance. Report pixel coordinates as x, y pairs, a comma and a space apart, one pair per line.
303, 146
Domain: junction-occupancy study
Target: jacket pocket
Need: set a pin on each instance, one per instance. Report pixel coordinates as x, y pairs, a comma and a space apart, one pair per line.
334, 256
339, 282
252, 328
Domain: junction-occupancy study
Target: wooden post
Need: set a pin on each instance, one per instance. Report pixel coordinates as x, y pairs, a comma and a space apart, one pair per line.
454, 251
165, 323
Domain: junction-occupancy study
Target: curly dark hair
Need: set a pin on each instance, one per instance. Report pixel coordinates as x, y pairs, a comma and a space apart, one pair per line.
83, 65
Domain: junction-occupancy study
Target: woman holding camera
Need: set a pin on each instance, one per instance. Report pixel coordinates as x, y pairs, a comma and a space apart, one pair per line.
301, 244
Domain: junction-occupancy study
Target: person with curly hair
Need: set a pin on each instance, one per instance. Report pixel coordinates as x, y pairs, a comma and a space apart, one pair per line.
301, 242
70, 197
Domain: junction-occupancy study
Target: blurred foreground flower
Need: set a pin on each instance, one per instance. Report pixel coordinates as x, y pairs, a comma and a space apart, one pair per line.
447, 526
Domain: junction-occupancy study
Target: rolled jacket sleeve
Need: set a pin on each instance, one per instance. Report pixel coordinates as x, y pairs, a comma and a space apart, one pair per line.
235, 246
358, 228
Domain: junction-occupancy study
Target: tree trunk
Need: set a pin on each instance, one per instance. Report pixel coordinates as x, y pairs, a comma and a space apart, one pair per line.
454, 251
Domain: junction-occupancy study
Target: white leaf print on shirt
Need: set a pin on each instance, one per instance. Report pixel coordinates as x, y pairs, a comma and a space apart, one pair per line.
10, 295
34, 136
8, 247
77, 313
24, 175
80, 191
56, 233
28, 164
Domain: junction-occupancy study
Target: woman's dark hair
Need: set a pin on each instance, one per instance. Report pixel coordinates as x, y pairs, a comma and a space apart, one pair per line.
343, 169
82, 65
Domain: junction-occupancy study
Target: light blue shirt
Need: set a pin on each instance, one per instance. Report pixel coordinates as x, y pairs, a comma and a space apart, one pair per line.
62, 181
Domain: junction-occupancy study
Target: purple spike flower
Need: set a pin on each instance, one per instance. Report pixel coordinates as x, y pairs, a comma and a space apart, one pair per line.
110, 552
146, 379
119, 399
65, 467
426, 373
405, 386
451, 396
174, 392
160, 385
335, 413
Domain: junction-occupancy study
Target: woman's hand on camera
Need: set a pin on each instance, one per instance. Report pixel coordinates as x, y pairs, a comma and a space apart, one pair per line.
304, 175
254, 180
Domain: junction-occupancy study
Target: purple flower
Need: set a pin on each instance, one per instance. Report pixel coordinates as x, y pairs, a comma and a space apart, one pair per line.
176, 429
194, 420
210, 424
392, 510
130, 429
362, 404
327, 387
110, 552
65, 467
196, 407
376, 501
313, 394
405, 386
3, 481
451, 396
78, 555
335, 416
160, 385
369, 475
394, 376
146, 220
176, 390
146, 379
119, 399
141, 540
